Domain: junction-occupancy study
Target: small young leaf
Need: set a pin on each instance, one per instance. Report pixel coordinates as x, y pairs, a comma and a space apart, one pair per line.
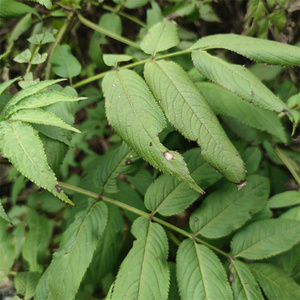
64, 63
23, 57
213, 219
265, 238
162, 36
144, 273
42, 38
29, 91
200, 274
70, 262
26, 282
186, 108
275, 283
134, 114
132, 4
39, 116
238, 80
273, 53
169, 196
38, 58
244, 285
22, 146
226, 103
284, 199
113, 59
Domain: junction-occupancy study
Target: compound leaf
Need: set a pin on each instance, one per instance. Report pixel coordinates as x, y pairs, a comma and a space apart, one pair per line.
273, 52
70, 262
23, 147
136, 117
244, 285
238, 80
29, 91
213, 219
225, 103
162, 36
189, 112
200, 274
144, 273
169, 196
265, 238
275, 283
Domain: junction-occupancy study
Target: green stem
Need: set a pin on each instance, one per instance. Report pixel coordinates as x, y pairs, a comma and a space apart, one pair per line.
57, 41
141, 213
129, 66
107, 32
129, 17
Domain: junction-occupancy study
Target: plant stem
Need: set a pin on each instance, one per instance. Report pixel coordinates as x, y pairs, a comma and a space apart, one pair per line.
107, 32
131, 18
57, 41
129, 66
141, 213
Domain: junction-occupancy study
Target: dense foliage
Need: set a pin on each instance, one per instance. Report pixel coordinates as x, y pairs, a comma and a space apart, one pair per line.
149, 149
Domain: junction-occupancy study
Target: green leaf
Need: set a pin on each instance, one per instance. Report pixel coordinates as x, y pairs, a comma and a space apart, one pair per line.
238, 80
3, 214
213, 219
169, 196
12, 9
22, 146
200, 274
75, 253
64, 63
22, 26
40, 100
114, 163
193, 117
26, 282
275, 283
6, 84
292, 214
144, 272
41, 38
265, 238
132, 4
38, 58
173, 292
108, 247
133, 113
39, 116
244, 285
29, 91
252, 157
4, 54
160, 37
46, 3
7, 248
273, 52
37, 239
284, 199
24, 57
115, 59
129, 196
225, 103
